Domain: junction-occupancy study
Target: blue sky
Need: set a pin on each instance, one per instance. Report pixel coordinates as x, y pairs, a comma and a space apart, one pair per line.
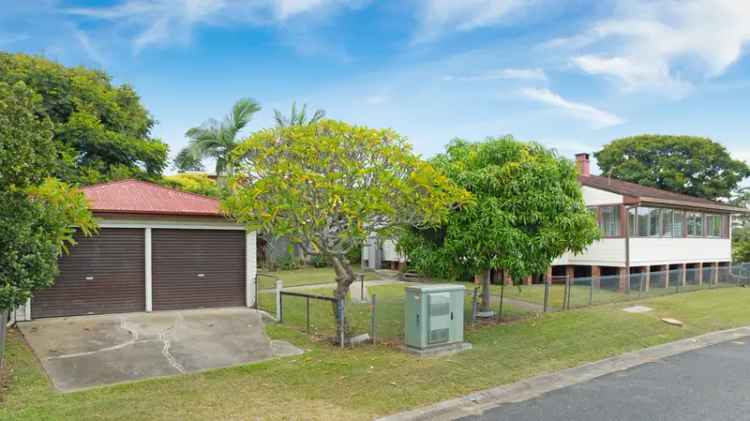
571, 74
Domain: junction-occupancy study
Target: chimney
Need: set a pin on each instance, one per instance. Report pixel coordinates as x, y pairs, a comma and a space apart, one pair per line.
583, 163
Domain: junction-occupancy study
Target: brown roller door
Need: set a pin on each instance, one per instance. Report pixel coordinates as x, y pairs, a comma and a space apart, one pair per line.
102, 274
197, 268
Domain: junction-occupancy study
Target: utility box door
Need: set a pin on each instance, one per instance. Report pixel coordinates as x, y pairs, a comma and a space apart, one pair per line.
440, 316
434, 315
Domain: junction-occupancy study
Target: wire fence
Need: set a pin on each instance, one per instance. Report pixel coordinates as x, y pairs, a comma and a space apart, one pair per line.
378, 310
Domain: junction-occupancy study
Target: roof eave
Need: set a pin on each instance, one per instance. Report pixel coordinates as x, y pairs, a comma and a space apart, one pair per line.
156, 212
692, 205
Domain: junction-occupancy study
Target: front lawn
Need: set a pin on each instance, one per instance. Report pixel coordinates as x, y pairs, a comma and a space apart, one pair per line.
366, 381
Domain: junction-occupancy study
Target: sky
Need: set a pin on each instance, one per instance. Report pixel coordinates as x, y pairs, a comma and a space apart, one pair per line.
571, 74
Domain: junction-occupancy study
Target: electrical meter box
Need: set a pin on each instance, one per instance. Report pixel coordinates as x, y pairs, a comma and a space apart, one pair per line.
434, 316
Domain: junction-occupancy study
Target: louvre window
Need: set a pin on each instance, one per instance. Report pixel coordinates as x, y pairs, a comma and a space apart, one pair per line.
713, 225
610, 221
695, 224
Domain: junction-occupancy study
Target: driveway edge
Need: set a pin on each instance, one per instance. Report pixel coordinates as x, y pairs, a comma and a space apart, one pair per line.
475, 403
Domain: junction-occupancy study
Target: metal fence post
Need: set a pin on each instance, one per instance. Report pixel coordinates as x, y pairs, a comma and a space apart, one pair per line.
546, 295
640, 283
502, 295
361, 287
342, 328
565, 294
373, 318
591, 291
474, 305
307, 314
279, 286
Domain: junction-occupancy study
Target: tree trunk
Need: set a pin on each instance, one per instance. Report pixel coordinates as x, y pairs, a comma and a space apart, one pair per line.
344, 279
485, 304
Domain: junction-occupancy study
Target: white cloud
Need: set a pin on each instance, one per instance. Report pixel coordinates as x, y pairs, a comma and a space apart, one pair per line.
664, 45
596, 117
88, 47
437, 16
162, 22
519, 74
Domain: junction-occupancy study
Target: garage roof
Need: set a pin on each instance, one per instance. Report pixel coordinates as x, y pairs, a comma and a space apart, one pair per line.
140, 197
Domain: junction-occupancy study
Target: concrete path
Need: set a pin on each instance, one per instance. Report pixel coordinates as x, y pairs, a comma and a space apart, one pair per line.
86, 351
692, 379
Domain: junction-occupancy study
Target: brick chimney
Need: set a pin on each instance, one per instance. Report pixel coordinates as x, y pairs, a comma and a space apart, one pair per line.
583, 163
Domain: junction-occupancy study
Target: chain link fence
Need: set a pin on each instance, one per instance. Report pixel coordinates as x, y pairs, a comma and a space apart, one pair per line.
378, 310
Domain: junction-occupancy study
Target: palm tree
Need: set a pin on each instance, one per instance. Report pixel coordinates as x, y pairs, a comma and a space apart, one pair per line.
297, 118
218, 139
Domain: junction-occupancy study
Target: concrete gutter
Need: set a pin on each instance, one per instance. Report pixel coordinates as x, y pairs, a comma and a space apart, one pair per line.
475, 403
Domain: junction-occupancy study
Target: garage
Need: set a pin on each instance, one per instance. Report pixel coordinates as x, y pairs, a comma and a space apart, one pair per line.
102, 274
198, 268
157, 249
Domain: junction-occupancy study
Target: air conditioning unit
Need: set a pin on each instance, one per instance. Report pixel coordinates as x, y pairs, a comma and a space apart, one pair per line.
434, 317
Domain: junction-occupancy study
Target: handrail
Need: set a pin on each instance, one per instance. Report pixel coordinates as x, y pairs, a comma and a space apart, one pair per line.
304, 295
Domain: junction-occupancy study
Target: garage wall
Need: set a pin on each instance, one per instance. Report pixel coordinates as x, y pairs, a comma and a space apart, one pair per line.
170, 222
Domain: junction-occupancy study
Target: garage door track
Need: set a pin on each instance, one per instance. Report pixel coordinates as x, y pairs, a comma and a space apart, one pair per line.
86, 351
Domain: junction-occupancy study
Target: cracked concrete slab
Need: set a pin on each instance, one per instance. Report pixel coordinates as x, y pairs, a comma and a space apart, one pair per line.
87, 351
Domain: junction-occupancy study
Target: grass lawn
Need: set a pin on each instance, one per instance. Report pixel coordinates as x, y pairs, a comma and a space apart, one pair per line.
366, 381
305, 276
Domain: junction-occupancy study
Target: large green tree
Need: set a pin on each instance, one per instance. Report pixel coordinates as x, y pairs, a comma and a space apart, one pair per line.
692, 165
37, 213
329, 185
217, 140
101, 130
528, 210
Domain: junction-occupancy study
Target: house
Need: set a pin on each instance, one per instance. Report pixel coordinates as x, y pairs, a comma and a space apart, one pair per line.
644, 230
647, 230
157, 249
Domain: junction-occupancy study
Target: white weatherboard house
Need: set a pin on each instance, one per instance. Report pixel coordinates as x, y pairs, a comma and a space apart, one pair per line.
649, 230
644, 230
157, 249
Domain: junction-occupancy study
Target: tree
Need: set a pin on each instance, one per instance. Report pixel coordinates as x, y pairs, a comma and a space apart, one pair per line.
218, 139
297, 118
187, 161
194, 183
741, 244
37, 214
327, 186
691, 165
528, 210
101, 131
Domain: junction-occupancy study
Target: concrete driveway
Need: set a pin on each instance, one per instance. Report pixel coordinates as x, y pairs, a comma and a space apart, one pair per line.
86, 351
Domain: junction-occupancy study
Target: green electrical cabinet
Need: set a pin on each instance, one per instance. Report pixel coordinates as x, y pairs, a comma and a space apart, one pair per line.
434, 316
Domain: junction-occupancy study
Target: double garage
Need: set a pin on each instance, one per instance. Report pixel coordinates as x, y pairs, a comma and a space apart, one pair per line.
157, 249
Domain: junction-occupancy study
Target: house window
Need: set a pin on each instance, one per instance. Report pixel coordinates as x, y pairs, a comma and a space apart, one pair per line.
633, 221
678, 224
667, 222
695, 224
654, 223
610, 221
713, 225
643, 221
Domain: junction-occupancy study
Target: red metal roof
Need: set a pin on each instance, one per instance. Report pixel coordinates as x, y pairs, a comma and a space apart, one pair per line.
140, 197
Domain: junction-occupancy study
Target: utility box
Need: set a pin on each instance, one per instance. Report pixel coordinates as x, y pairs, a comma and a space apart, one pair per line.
434, 316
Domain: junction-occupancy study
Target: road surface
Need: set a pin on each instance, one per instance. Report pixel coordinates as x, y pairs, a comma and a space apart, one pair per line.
711, 383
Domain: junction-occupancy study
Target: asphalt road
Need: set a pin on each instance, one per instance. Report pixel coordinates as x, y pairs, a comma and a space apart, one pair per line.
712, 383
